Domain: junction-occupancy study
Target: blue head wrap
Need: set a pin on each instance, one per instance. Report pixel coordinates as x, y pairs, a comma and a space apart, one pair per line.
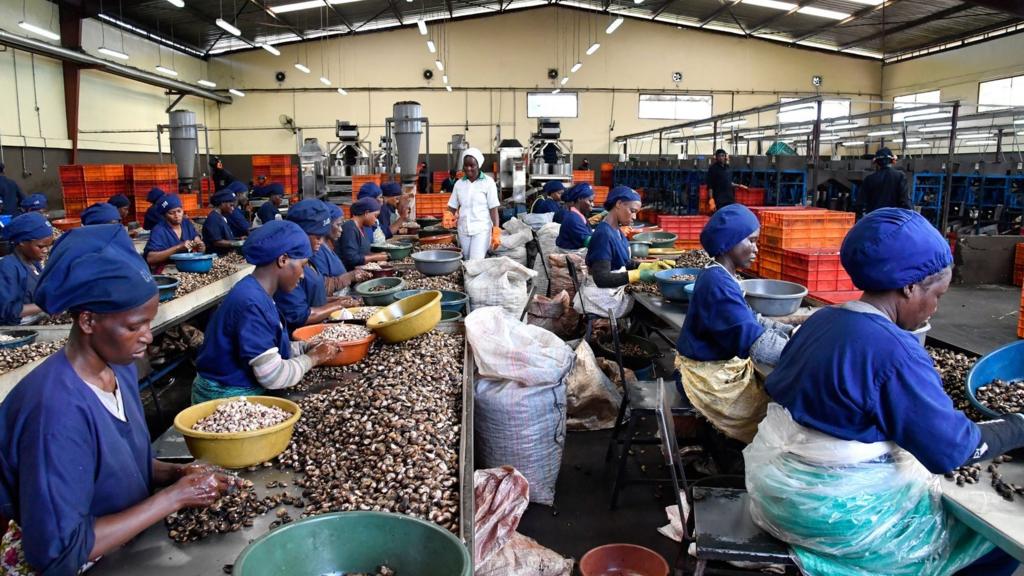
369, 190
553, 186
727, 228
312, 215
275, 189
581, 191
222, 197
620, 194
95, 268
266, 243
27, 226
167, 203
119, 201
364, 205
891, 248
100, 213
391, 189
335, 211
154, 195
34, 202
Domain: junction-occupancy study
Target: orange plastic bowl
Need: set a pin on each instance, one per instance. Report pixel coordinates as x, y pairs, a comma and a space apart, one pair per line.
442, 239
350, 353
622, 559
65, 224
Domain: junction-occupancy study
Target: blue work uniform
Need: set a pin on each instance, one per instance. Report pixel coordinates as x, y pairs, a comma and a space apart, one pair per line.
216, 228
545, 206
152, 217
267, 212
296, 305
163, 236
327, 262
384, 219
559, 216
610, 244
263, 191
66, 461
719, 324
18, 280
354, 245
238, 222
574, 232
244, 326
10, 196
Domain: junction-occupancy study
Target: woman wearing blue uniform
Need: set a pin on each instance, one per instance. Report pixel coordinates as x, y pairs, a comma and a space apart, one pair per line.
173, 234
373, 231
310, 302
77, 473
575, 232
842, 467
101, 213
354, 245
217, 234
550, 198
390, 221
239, 220
247, 350
327, 262
270, 210
34, 203
153, 215
722, 337
124, 206
31, 235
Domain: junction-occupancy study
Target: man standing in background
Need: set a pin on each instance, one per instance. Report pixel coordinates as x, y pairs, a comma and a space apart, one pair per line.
886, 187
719, 181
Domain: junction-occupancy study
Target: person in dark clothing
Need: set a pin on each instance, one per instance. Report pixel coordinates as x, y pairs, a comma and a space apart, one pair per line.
449, 184
422, 179
886, 187
10, 194
585, 165
224, 180
719, 181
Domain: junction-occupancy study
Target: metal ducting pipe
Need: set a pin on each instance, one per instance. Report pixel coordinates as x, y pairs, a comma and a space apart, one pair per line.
87, 60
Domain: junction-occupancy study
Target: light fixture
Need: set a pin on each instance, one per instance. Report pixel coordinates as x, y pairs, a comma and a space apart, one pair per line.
295, 6
422, 26
845, 126
228, 27
165, 70
753, 135
444, 78
177, 3
939, 128
702, 127
439, 64
431, 47
614, 25
883, 133
207, 83
823, 13
342, 92
1020, 121
593, 48
576, 67
447, 87
975, 136
798, 131
787, 6
933, 116
270, 49
905, 140
237, 92
302, 68
918, 146
978, 143
565, 80
38, 30
556, 90
827, 137
325, 81
853, 143
112, 52
731, 123
638, 2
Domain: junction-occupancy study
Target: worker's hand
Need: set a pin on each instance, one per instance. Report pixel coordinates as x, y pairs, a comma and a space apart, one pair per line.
201, 489
449, 220
656, 266
639, 275
348, 302
668, 264
495, 238
133, 233
322, 352
198, 245
358, 275
593, 220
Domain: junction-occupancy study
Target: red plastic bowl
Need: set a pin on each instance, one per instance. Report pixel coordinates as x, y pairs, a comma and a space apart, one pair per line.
623, 560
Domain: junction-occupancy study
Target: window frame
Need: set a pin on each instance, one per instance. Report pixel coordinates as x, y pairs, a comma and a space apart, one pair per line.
778, 116
574, 94
710, 101
982, 107
899, 116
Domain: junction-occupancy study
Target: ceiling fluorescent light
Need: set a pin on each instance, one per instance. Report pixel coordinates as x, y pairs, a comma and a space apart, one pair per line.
940, 128
236, 92
905, 140
576, 68
731, 123
325, 80
177, 3
38, 30
228, 27
302, 68
439, 64
165, 70
798, 131
823, 13
270, 49
593, 48
918, 146
978, 143
787, 6
753, 135
295, 6
702, 127
614, 25
565, 80
933, 116
845, 126
207, 83
113, 53
447, 87
556, 90
853, 143
342, 92
431, 46
977, 136
422, 26
883, 133
1020, 121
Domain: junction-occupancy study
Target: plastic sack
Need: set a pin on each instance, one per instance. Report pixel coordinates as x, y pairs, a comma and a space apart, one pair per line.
523, 427
728, 393
500, 496
507, 349
546, 237
497, 282
537, 221
592, 401
516, 234
558, 272
523, 556
602, 302
554, 314
845, 515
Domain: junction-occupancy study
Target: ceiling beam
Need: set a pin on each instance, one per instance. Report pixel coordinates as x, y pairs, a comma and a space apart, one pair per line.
957, 36
394, 10
664, 6
372, 18
907, 25
221, 34
341, 17
279, 19
855, 16
448, 5
776, 17
726, 5
1013, 7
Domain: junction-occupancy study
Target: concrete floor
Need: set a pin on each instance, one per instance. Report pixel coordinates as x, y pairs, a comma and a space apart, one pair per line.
978, 319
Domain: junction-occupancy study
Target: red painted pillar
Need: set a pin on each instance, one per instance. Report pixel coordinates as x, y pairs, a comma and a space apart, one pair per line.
71, 38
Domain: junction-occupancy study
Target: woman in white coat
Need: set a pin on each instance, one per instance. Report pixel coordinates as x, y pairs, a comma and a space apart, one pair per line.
475, 200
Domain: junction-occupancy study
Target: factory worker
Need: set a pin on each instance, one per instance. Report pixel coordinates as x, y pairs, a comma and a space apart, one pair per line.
247, 350
77, 473
239, 219
393, 212
10, 194
475, 199
31, 237
174, 233
552, 202
310, 302
153, 214
224, 180
270, 210
34, 203
719, 181
722, 337
373, 231
217, 234
354, 245
326, 260
842, 465
261, 189
575, 232
101, 213
449, 183
122, 203
886, 187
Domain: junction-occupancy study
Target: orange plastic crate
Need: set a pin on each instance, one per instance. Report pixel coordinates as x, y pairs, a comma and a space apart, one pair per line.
271, 160
837, 297
583, 176
150, 172
1018, 265
600, 194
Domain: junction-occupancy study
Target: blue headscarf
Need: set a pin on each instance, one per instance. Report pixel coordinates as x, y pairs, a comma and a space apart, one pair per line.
391, 189
891, 248
119, 201
364, 205
312, 215
620, 194
154, 195
26, 227
727, 228
167, 203
554, 186
335, 211
369, 190
222, 197
34, 202
94, 268
580, 191
266, 243
100, 213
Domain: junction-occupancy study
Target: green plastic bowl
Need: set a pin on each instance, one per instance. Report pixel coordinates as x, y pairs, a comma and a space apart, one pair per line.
346, 542
383, 298
398, 253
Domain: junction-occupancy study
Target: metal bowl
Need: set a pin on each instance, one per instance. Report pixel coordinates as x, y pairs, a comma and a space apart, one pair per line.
773, 297
167, 285
1006, 363
193, 262
433, 231
437, 262
657, 239
21, 338
638, 249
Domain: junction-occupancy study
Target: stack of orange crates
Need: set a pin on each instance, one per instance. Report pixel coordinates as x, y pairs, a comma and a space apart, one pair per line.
750, 196
583, 176
607, 173
600, 194
358, 181
819, 269
1018, 265
140, 178
277, 168
686, 228
85, 184
785, 232
432, 204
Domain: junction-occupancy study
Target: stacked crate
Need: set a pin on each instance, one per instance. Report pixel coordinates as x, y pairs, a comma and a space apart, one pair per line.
750, 196
583, 176
686, 228
432, 204
358, 181
277, 168
140, 178
819, 269
1018, 265
601, 194
607, 173
788, 229
85, 184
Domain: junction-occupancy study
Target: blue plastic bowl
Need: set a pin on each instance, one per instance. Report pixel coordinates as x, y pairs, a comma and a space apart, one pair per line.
688, 289
450, 299
167, 285
1006, 363
200, 263
675, 290
406, 293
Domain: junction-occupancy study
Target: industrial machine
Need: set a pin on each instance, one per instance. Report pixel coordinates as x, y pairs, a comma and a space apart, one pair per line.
550, 157
512, 170
456, 148
406, 125
349, 156
184, 136
313, 169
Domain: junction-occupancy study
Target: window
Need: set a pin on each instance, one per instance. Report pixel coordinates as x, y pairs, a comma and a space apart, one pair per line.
911, 100
809, 112
1001, 93
675, 107
548, 105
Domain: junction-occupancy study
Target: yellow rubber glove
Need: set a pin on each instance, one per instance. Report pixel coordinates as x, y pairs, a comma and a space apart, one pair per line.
668, 264
656, 266
639, 275
593, 220
495, 238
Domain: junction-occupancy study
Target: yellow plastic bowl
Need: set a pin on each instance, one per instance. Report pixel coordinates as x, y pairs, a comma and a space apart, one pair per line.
407, 318
236, 449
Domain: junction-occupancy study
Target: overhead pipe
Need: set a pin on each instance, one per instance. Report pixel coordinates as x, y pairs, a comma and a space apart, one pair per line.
89, 61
